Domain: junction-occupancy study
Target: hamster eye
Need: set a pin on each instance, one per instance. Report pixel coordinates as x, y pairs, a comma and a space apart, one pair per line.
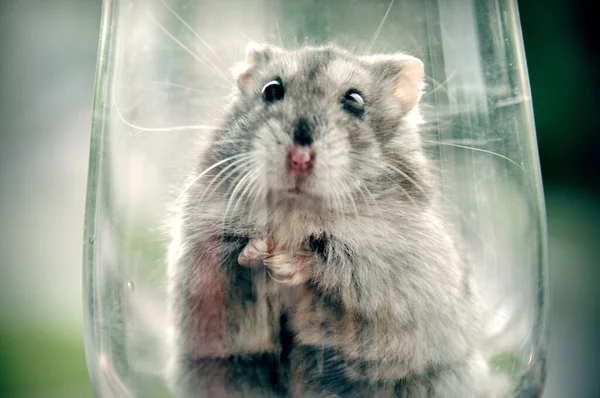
353, 103
273, 91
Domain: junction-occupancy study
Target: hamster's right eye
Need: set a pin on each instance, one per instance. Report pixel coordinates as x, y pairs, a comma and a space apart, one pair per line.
273, 91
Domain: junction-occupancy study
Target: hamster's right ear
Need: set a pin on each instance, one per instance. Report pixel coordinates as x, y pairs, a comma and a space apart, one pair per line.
256, 55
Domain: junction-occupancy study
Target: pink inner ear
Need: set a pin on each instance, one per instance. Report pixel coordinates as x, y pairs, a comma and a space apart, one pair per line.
250, 59
408, 83
243, 72
243, 79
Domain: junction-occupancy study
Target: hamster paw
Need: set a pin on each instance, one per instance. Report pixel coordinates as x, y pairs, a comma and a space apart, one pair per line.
287, 269
256, 251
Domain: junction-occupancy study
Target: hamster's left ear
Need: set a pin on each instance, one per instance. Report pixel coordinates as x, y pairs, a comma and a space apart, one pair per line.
256, 56
405, 73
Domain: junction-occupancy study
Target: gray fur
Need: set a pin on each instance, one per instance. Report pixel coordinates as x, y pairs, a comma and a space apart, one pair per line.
389, 305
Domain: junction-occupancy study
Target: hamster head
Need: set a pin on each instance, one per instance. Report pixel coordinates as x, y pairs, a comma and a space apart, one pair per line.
321, 127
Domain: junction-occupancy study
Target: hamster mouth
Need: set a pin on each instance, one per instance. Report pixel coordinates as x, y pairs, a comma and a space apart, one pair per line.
297, 194
297, 191
298, 185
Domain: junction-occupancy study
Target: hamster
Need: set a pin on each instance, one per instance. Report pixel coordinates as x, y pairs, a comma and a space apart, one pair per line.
311, 257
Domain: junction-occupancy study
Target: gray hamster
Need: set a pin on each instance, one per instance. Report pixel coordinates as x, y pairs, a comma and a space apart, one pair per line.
310, 256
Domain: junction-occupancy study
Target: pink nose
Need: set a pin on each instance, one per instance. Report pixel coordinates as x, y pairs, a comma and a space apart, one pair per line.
301, 158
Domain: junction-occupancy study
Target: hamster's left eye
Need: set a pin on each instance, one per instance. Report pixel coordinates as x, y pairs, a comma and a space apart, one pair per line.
353, 103
273, 91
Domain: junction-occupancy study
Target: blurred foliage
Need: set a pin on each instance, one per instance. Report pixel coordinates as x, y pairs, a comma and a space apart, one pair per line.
55, 361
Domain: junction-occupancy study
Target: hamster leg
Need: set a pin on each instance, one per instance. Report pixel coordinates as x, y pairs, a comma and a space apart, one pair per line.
226, 327
341, 352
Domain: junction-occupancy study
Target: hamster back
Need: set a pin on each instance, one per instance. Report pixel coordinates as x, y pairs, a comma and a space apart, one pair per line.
310, 256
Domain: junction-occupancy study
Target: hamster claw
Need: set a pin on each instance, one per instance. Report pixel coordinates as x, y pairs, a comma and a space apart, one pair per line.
287, 269
256, 251
283, 281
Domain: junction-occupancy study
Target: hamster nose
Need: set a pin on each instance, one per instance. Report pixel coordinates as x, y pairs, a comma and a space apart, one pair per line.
301, 158
302, 134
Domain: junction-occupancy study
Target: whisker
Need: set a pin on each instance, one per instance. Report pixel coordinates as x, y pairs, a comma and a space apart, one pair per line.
197, 90
375, 202
370, 203
380, 27
476, 149
248, 38
239, 184
251, 185
441, 86
203, 173
403, 174
157, 129
234, 169
230, 141
194, 33
335, 198
225, 175
359, 190
349, 194
417, 46
184, 47
394, 184
278, 32
343, 200
338, 198
258, 195
164, 129
400, 186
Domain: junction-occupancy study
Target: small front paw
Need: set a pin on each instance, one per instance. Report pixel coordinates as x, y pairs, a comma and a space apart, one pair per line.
256, 251
287, 269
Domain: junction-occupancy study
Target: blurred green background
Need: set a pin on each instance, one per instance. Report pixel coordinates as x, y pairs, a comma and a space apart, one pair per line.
47, 63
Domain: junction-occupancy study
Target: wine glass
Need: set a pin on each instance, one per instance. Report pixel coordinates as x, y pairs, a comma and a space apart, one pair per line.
164, 77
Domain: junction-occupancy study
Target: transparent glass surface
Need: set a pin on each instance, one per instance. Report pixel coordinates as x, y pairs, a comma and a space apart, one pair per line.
164, 84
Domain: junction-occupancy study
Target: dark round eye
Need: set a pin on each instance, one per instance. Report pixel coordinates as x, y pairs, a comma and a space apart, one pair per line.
353, 103
273, 91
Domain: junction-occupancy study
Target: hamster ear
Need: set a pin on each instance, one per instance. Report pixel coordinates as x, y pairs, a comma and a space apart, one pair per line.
406, 73
256, 55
